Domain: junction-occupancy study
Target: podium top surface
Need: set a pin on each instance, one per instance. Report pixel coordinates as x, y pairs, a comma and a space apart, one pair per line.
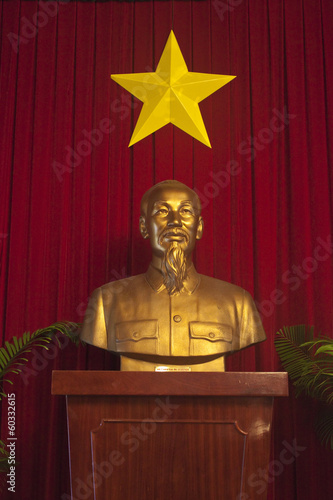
115, 383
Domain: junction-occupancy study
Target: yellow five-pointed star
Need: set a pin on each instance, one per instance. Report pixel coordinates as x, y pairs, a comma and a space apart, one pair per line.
171, 94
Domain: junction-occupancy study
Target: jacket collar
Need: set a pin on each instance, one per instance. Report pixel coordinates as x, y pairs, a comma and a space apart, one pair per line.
155, 279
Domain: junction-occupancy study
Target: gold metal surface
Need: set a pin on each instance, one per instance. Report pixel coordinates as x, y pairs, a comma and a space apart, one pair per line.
171, 316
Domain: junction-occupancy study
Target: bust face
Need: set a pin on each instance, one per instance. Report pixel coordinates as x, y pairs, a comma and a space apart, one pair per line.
172, 216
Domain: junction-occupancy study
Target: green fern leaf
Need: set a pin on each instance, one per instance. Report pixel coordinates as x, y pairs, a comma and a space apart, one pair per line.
308, 361
26, 338
16, 344
3, 362
12, 355
10, 348
303, 357
4, 353
327, 349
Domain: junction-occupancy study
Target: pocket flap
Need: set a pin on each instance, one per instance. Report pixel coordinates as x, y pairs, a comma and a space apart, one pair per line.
136, 330
210, 331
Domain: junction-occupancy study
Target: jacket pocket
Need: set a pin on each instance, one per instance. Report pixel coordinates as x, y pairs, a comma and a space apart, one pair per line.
209, 338
137, 336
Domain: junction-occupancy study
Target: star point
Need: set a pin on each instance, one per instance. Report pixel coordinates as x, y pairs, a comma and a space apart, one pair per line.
171, 94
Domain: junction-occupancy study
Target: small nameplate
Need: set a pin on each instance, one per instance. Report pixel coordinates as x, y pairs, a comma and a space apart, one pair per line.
172, 368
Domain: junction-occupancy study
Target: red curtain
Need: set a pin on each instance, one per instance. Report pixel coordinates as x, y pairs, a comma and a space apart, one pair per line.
71, 187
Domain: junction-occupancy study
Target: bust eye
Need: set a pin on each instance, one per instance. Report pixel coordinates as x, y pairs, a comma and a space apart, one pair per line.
186, 211
161, 211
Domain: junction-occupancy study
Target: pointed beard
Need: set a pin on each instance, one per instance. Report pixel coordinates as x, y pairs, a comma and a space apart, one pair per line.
174, 269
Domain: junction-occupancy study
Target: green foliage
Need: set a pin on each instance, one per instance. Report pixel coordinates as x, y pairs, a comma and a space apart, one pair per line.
13, 354
309, 363
13, 357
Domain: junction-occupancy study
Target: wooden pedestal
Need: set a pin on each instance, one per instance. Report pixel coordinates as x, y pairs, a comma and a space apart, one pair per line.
168, 436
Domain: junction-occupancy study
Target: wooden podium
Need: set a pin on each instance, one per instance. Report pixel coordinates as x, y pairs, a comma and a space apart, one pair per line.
168, 436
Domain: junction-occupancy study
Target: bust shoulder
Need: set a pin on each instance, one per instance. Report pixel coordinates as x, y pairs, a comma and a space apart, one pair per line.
209, 284
120, 286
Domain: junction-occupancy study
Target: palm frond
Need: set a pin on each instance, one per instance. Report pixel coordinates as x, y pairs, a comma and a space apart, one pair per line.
13, 354
308, 361
288, 342
13, 357
327, 349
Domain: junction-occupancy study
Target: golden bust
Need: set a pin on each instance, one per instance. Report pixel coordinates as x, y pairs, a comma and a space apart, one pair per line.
171, 318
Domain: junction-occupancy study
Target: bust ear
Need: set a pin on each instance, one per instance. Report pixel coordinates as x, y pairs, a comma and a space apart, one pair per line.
143, 227
199, 229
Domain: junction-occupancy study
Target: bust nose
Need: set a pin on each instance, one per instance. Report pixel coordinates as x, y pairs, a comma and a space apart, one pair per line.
174, 219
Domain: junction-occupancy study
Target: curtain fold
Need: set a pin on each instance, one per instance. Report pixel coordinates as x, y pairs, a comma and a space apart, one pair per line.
71, 190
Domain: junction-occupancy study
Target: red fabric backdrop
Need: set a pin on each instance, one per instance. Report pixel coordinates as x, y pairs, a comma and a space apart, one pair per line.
70, 198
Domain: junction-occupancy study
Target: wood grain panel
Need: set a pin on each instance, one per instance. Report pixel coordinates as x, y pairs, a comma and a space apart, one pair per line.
174, 459
183, 439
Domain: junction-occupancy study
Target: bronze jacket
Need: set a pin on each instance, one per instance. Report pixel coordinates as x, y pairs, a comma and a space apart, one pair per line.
137, 318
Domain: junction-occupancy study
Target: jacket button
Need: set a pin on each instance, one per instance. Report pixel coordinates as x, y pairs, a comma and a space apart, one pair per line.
211, 335
177, 318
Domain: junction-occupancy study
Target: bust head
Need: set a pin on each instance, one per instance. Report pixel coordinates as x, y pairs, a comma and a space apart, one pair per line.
170, 218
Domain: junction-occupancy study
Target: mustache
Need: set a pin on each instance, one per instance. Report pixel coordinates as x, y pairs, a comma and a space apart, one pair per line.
172, 232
